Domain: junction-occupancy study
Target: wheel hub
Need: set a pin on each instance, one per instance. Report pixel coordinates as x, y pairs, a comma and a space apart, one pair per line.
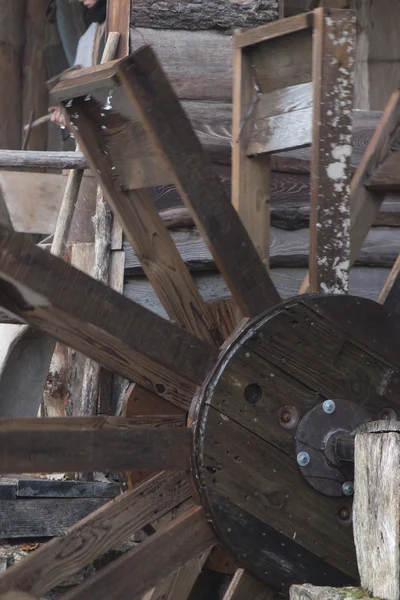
262, 405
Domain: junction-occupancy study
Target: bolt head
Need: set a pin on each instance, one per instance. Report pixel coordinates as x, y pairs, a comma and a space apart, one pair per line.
329, 407
303, 459
348, 488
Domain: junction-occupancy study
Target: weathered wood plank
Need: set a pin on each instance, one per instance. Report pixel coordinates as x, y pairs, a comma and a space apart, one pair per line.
176, 142
270, 31
287, 249
149, 563
244, 586
44, 517
366, 283
39, 160
42, 488
281, 120
97, 321
206, 14
54, 562
250, 176
386, 176
333, 65
38, 447
376, 514
118, 14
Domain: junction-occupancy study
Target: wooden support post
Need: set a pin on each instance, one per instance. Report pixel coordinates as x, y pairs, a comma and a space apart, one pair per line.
333, 63
376, 509
250, 174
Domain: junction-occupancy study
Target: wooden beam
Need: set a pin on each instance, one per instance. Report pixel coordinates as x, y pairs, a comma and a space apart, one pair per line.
118, 19
244, 586
38, 446
95, 320
250, 175
260, 34
387, 175
333, 63
52, 563
173, 137
390, 295
152, 561
10, 159
376, 508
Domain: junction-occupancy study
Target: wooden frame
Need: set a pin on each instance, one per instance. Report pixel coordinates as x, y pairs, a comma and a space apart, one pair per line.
304, 98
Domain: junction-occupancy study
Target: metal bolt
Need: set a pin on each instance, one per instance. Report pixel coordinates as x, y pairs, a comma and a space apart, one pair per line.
329, 407
344, 513
348, 488
303, 459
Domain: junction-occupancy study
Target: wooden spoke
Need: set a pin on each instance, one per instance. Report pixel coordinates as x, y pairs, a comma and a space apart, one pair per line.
331, 151
257, 35
179, 584
245, 587
100, 531
202, 191
390, 295
140, 569
5, 220
84, 444
82, 313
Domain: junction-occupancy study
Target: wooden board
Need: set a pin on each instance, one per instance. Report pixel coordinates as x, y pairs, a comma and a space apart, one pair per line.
366, 283
100, 531
390, 295
154, 559
80, 445
288, 249
42, 488
222, 15
112, 323
181, 152
179, 584
118, 16
246, 469
43, 518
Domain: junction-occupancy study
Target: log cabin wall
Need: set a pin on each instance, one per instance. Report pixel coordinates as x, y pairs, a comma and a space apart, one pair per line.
193, 42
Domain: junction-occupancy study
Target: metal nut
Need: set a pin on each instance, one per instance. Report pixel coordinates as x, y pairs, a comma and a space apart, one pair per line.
303, 459
348, 488
329, 407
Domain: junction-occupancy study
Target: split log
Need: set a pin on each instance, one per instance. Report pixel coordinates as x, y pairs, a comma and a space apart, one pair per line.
376, 509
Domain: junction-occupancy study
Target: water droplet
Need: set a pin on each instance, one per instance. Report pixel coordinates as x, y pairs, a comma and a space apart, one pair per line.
108, 105
88, 97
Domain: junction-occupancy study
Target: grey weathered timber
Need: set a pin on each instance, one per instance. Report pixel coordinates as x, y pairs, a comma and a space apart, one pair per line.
10, 159
366, 283
311, 592
376, 509
71, 301
223, 15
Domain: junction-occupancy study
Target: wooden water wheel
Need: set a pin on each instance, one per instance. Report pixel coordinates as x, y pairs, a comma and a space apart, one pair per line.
271, 399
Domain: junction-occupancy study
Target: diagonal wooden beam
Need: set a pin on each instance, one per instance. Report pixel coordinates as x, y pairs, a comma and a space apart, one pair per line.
57, 445
140, 569
143, 226
100, 531
244, 586
390, 295
90, 317
201, 189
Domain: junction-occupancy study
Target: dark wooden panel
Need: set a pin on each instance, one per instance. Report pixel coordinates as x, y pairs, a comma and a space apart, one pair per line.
224, 15
43, 518
102, 530
39, 448
41, 488
202, 192
97, 321
151, 561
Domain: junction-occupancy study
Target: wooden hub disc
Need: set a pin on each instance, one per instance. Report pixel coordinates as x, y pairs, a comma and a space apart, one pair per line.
280, 366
